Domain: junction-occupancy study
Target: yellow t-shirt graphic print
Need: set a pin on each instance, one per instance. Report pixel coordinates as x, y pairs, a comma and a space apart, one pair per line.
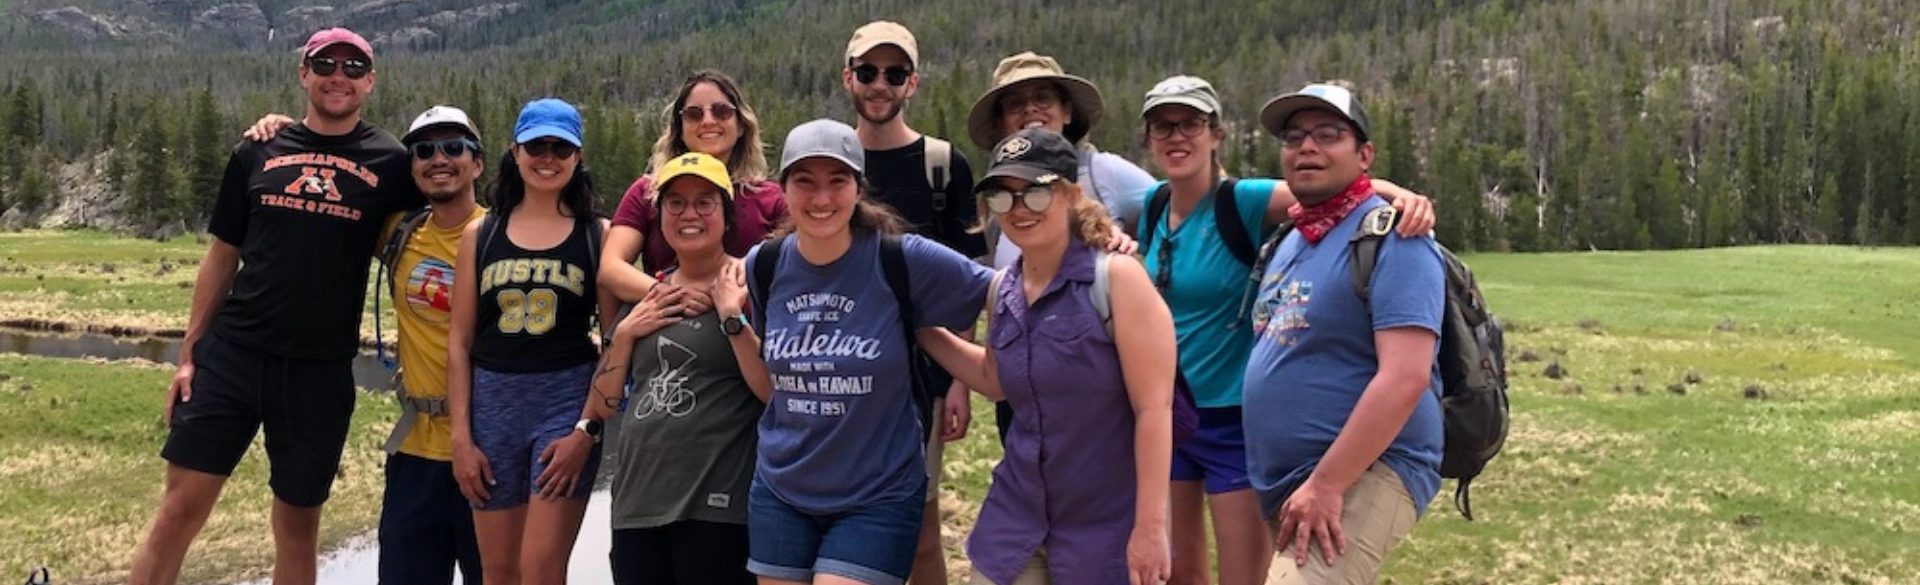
423, 305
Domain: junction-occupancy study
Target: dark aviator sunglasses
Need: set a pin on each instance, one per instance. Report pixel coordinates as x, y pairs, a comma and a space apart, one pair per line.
325, 66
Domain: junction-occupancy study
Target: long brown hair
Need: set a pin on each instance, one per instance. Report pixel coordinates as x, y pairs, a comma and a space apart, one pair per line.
747, 162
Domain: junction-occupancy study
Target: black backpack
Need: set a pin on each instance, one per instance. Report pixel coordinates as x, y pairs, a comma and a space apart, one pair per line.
1472, 357
765, 262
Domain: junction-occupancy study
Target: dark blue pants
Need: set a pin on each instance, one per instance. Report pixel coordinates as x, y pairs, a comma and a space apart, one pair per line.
426, 526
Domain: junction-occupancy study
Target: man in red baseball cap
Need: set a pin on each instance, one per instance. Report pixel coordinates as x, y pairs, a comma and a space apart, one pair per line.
270, 342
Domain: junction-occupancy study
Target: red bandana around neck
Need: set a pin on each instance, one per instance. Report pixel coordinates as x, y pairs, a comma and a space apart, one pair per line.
1314, 222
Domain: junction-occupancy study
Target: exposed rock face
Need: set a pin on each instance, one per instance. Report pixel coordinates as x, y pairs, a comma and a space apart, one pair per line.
387, 10
84, 198
243, 19
447, 19
297, 23
78, 23
406, 37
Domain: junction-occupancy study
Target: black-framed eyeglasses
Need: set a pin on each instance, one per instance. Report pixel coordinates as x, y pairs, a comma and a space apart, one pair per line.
1163, 278
559, 149
1036, 198
325, 66
1190, 127
452, 147
1323, 135
721, 112
704, 206
896, 75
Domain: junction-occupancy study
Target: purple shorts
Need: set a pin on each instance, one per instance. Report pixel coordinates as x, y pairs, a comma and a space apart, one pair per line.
1217, 453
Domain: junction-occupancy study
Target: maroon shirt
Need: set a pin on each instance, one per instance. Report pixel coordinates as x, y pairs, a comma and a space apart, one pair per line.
758, 206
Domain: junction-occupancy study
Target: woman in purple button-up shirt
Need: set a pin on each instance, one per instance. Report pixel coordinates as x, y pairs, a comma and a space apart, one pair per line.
1081, 495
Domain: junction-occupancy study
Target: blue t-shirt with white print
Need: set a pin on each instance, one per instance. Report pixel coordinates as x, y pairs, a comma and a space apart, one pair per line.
841, 430
1207, 290
1313, 356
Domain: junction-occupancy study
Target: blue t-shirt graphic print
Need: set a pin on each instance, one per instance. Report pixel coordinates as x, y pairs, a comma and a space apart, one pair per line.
841, 431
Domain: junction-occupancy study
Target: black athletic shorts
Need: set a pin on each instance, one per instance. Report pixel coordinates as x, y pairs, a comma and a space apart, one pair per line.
305, 405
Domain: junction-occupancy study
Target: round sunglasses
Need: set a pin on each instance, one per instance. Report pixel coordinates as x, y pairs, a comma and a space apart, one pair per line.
896, 75
1036, 198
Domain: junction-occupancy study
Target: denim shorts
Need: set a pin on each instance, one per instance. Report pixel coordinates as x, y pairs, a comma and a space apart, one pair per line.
872, 544
1217, 453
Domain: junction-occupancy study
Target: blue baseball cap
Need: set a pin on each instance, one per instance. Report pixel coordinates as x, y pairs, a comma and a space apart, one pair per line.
547, 117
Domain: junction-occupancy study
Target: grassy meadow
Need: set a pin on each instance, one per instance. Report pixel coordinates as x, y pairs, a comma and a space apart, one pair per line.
1790, 458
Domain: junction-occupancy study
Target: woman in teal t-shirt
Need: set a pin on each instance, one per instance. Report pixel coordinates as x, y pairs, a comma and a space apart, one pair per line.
1207, 288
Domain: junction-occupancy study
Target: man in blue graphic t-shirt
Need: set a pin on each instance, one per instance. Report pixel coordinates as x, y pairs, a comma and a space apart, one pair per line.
1342, 411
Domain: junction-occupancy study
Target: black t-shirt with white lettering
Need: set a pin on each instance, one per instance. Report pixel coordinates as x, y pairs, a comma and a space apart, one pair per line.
305, 210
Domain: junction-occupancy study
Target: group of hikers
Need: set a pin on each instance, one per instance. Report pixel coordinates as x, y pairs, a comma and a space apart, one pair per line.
786, 349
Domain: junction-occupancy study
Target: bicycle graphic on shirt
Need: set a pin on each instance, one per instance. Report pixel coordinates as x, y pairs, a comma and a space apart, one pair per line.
666, 390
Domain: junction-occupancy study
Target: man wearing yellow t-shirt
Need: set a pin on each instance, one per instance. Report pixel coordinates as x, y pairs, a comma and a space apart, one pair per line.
426, 526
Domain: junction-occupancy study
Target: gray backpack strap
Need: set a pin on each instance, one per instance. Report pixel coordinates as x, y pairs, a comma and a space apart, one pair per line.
1102, 296
939, 163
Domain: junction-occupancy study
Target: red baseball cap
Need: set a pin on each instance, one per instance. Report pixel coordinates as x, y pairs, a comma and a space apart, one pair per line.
336, 36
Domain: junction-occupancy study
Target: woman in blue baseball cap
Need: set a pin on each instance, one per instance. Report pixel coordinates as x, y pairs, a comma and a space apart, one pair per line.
521, 355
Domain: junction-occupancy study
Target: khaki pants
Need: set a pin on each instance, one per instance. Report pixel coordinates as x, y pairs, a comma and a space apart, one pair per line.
1377, 514
1034, 574
936, 456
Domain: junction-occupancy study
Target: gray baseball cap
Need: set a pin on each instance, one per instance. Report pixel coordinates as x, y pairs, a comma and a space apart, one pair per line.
829, 138
1318, 96
1184, 90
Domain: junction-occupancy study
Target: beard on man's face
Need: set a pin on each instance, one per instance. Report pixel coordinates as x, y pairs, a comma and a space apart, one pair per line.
441, 196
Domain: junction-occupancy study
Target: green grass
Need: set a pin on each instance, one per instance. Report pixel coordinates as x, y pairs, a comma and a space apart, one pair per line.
87, 278
1813, 484
79, 445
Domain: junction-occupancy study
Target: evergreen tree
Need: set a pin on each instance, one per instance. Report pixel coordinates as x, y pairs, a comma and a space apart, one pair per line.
207, 150
156, 179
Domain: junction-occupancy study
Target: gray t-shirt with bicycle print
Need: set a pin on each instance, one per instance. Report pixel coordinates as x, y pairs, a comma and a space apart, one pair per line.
685, 449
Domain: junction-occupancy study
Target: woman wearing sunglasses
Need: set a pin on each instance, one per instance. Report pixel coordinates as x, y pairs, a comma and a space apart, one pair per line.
685, 452
1206, 287
520, 353
1081, 495
841, 480
708, 115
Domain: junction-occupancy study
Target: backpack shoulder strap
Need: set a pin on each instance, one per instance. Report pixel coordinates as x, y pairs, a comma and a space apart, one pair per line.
893, 265
1102, 290
1156, 211
939, 158
993, 295
402, 232
488, 225
1226, 219
1365, 246
763, 264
